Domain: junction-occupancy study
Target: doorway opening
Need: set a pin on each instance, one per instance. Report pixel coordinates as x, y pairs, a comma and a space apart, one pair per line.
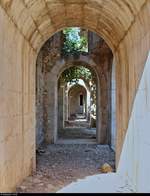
77, 101
63, 103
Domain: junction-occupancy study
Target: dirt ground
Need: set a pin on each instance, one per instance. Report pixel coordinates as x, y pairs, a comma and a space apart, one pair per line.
77, 129
77, 133
60, 164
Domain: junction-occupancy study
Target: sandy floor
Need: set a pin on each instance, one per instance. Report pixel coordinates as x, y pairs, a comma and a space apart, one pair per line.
60, 164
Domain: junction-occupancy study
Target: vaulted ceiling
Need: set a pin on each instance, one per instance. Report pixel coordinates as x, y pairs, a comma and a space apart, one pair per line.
37, 20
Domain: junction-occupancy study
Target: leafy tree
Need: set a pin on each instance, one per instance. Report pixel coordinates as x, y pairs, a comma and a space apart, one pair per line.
73, 74
74, 43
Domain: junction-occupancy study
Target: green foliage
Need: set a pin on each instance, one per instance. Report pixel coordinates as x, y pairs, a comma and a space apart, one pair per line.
74, 43
75, 73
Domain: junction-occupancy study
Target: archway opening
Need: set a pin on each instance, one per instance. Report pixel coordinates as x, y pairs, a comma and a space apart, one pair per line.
30, 23
72, 47
61, 161
77, 101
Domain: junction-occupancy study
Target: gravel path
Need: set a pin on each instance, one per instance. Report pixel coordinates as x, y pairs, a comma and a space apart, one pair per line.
60, 164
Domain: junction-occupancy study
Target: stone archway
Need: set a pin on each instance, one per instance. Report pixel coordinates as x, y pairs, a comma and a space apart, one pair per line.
52, 97
74, 115
118, 22
76, 100
74, 112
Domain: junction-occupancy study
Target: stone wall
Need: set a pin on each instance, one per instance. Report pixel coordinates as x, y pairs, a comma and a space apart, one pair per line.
47, 57
134, 163
130, 59
61, 106
113, 107
103, 57
50, 54
74, 99
40, 85
25, 25
17, 105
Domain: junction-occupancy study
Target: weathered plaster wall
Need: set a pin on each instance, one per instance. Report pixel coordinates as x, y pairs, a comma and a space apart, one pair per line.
61, 106
47, 57
40, 93
50, 53
113, 107
25, 25
130, 60
134, 163
17, 105
103, 57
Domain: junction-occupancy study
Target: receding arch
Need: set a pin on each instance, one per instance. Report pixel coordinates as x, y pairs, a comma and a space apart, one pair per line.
85, 62
19, 19
56, 70
54, 76
112, 25
72, 93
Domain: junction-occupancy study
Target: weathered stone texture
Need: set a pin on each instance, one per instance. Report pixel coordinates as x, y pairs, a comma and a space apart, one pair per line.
73, 95
39, 102
17, 122
25, 26
130, 60
49, 58
135, 161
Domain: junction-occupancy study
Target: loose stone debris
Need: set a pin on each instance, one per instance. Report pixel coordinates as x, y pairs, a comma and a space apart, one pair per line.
60, 164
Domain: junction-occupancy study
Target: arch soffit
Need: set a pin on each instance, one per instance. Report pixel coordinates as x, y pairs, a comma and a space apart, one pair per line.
62, 65
81, 87
39, 20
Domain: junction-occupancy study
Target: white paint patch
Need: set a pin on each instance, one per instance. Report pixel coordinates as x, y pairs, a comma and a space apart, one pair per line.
102, 183
135, 158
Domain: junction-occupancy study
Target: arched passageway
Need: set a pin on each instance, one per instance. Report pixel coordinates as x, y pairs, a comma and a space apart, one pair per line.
77, 96
76, 106
56, 71
123, 24
50, 65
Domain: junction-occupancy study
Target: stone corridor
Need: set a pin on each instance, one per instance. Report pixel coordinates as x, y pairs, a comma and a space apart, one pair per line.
58, 165
35, 101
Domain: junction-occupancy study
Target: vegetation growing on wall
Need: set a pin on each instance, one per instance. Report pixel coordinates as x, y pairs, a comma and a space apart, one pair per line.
74, 42
73, 74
